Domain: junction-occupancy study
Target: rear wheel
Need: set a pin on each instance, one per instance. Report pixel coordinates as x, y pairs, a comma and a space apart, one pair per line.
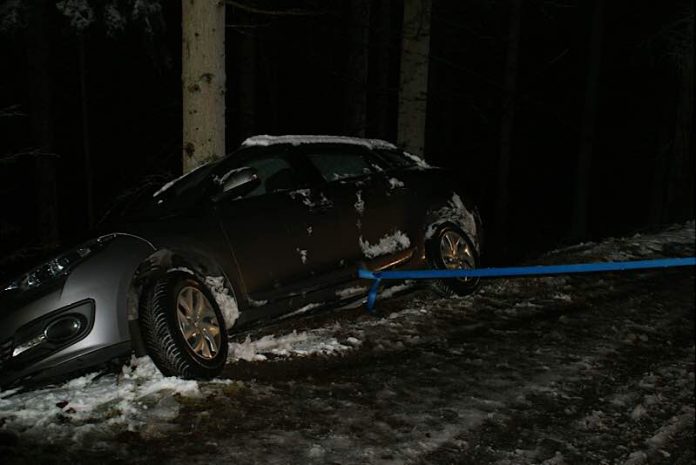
451, 249
183, 328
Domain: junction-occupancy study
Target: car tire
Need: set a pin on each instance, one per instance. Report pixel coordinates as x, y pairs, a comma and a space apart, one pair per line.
178, 320
451, 248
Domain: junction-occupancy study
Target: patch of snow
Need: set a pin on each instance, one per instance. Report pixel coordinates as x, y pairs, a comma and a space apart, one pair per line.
303, 254
79, 12
266, 140
293, 344
638, 412
455, 212
562, 296
303, 194
417, 160
388, 244
91, 406
257, 303
557, 459
635, 247
323, 201
302, 310
316, 451
593, 422
636, 458
182, 269
226, 302
667, 432
395, 289
359, 203
394, 183
350, 292
309, 230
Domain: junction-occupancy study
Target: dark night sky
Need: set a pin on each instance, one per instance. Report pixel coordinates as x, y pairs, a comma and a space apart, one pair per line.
300, 76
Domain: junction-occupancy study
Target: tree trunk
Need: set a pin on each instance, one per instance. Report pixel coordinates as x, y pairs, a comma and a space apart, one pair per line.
358, 56
89, 175
413, 85
587, 129
203, 80
41, 114
507, 119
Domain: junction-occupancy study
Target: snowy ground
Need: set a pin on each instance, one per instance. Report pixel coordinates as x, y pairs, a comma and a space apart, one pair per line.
561, 370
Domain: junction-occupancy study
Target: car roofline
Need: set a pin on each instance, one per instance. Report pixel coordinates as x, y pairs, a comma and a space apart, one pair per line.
267, 140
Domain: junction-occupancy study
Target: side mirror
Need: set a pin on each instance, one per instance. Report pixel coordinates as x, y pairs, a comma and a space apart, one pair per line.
236, 183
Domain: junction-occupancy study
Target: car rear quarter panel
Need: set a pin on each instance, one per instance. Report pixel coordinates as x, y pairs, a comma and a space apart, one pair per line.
440, 198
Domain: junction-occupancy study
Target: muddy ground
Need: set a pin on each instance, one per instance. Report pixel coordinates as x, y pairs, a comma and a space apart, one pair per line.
594, 369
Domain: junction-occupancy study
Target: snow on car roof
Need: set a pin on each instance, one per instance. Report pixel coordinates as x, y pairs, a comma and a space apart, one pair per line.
265, 140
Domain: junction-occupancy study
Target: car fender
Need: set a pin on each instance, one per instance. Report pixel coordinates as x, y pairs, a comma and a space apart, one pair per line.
168, 259
107, 278
459, 211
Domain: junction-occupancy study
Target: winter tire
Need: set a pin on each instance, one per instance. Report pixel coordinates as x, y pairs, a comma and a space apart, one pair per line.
450, 249
182, 326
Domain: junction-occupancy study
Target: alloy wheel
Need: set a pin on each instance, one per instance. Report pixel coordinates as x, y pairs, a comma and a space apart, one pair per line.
198, 323
456, 253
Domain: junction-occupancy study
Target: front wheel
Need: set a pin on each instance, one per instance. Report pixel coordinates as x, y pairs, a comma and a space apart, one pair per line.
451, 249
183, 328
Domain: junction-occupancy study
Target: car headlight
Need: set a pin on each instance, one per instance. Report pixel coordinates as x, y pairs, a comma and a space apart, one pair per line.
57, 267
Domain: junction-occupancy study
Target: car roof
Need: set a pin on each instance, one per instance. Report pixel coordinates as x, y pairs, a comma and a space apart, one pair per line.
266, 140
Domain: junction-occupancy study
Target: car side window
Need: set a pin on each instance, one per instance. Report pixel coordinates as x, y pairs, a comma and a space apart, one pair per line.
334, 165
274, 170
276, 174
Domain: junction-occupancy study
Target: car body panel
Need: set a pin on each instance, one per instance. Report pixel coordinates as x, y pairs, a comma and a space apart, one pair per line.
104, 279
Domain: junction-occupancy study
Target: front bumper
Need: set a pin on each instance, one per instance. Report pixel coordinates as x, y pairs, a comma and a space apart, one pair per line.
95, 292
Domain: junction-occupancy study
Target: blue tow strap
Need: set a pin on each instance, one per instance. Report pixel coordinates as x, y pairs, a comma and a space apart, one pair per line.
543, 270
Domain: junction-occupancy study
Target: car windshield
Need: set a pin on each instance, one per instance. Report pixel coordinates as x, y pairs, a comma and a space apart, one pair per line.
186, 183
153, 200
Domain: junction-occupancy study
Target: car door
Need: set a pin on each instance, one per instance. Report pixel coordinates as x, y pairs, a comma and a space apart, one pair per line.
261, 226
366, 226
398, 211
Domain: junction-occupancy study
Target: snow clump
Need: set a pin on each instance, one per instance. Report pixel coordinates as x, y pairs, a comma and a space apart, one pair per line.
226, 302
394, 183
79, 12
359, 203
303, 254
390, 243
297, 344
87, 408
